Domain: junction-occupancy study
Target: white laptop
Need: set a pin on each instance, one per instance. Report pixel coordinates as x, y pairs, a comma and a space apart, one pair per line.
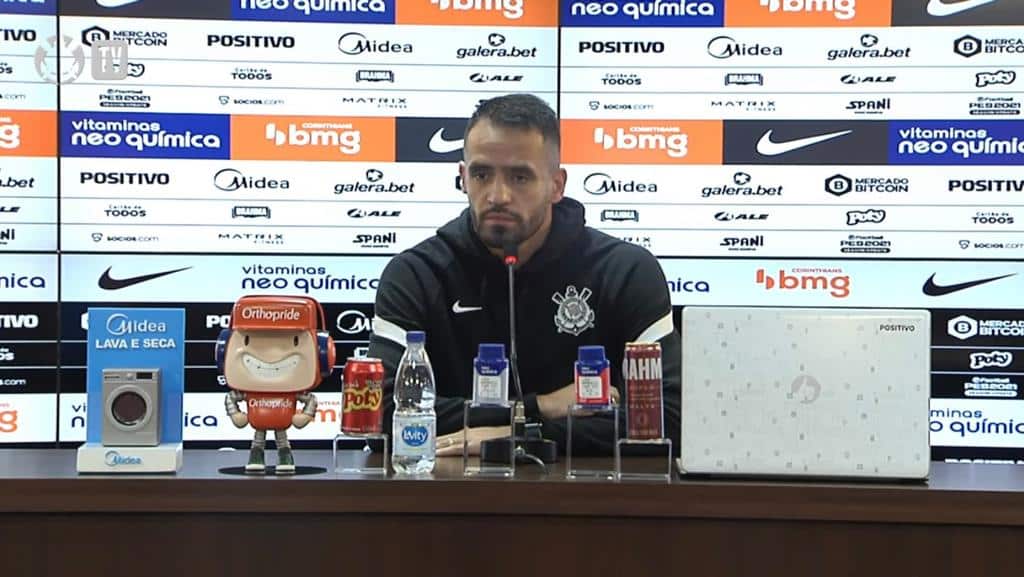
805, 392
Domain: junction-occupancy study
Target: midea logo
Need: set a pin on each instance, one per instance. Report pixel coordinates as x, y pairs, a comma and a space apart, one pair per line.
115, 459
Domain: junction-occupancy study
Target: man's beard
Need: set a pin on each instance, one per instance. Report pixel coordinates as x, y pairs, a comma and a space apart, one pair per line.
500, 235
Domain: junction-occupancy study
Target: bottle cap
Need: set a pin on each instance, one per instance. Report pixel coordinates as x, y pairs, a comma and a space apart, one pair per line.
591, 353
491, 352
415, 337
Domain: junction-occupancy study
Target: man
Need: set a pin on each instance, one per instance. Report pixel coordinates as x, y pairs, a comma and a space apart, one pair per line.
574, 286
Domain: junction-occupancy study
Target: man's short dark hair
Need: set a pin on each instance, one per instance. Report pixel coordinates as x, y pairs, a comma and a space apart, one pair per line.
524, 111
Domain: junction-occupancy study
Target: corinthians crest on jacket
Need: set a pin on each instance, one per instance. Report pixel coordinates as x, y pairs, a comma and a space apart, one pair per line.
574, 315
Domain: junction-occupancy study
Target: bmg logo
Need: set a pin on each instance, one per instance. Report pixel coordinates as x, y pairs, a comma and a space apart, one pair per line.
8, 421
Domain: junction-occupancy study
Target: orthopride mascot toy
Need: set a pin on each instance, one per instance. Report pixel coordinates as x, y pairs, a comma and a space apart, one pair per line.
276, 351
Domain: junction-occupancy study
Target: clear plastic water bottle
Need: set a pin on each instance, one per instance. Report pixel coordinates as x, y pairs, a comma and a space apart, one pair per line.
414, 446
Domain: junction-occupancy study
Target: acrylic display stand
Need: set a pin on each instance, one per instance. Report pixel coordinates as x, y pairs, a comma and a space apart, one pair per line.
593, 474
621, 475
504, 470
365, 439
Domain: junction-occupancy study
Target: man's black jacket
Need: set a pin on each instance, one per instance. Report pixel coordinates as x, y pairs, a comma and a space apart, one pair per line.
582, 287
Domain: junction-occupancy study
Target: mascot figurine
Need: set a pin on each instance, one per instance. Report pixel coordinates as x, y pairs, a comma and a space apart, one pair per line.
273, 355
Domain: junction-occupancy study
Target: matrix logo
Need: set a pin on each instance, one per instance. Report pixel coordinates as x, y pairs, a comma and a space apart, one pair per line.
667, 13
511, 9
830, 280
145, 135
840, 9
355, 11
669, 139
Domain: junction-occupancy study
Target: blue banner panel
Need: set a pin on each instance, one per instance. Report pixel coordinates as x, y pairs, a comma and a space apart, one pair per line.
145, 135
957, 142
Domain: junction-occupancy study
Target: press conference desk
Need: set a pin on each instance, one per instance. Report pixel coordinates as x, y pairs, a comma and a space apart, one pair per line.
968, 520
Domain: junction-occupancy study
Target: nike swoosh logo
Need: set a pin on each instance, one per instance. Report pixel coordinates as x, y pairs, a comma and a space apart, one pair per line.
113, 284
115, 3
933, 290
457, 308
939, 8
767, 147
440, 145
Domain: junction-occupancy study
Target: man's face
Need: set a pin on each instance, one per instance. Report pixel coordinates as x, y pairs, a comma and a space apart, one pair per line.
511, 178
270, 361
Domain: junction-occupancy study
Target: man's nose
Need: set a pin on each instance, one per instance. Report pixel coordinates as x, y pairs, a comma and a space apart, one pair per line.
499, 193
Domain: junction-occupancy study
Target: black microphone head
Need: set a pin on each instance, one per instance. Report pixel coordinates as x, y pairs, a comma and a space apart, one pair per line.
511, 249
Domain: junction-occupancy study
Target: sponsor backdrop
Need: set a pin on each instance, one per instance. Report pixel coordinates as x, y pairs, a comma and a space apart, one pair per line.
845, 153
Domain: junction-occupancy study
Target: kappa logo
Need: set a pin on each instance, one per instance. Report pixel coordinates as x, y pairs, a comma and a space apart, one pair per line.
574, 315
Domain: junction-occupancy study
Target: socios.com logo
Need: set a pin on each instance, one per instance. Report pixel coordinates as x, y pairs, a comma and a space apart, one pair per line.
145, 135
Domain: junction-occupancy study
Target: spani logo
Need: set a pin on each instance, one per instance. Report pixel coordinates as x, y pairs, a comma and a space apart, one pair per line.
415, 435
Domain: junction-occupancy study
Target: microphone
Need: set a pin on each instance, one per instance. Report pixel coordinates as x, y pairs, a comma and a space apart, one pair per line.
528, 443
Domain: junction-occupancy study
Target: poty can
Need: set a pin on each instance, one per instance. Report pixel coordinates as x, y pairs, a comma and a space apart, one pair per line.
641, 370
362, 395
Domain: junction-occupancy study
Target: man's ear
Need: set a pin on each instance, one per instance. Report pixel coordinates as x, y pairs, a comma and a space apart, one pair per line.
560, 180
460, 179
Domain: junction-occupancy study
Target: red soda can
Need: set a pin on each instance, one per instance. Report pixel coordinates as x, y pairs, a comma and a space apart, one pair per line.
641, 370
362, 393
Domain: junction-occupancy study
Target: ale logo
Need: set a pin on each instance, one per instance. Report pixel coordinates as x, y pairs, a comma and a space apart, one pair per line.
415, 435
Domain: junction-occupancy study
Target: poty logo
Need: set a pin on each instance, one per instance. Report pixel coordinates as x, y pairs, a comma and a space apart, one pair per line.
1000, 359
10, 133
841, 9
271, 315
323, 134
855, 217
415, 435
115, 459
837, 285
511, 9
667, 138
983, 79
118, 324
